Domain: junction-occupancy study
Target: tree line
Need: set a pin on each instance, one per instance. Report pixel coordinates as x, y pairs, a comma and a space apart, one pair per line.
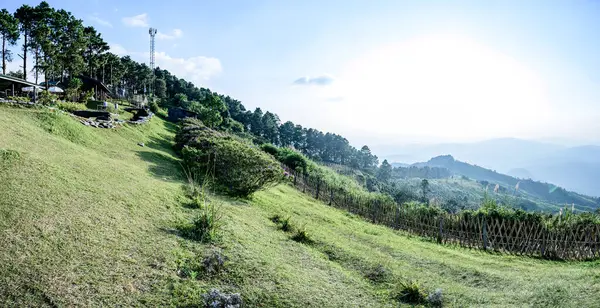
63, 47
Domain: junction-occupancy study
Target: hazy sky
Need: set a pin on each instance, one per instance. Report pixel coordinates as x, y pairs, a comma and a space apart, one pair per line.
380, 71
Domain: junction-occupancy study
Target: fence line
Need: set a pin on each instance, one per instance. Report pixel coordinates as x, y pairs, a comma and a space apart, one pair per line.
497, 234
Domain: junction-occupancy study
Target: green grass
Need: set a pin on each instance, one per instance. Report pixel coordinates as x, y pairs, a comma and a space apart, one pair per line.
89, 218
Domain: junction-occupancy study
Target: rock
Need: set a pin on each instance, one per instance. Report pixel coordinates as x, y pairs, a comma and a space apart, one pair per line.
141, 144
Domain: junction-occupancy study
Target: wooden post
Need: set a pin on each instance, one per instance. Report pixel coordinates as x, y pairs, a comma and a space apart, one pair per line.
441, 231
484, 234
304, 187
295, 176
318, 186
330, 196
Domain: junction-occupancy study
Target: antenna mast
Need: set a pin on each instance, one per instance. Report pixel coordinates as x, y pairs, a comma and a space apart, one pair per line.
152, 33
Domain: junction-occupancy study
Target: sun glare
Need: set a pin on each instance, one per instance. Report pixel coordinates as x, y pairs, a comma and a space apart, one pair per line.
443, 86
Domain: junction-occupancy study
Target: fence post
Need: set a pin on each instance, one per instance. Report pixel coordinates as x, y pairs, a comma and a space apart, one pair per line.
373, 210
295, 176
441, 232
484, 234
397, 220
330, 196
318, 186
305, 183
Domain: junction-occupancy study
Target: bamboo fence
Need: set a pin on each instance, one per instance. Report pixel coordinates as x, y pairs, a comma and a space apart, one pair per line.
487, 233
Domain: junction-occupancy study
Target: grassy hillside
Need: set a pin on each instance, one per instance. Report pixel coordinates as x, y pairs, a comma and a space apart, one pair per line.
89, 218
541, 196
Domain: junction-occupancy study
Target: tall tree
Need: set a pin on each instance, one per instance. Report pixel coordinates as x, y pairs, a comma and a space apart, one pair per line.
9, 30
26, 16
270, 126
286, 134
160, 88
385, 171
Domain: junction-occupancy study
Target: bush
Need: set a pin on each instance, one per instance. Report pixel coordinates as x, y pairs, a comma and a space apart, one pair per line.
409, 292
271, 149
70, 107
293, 159
48, 99
238, 168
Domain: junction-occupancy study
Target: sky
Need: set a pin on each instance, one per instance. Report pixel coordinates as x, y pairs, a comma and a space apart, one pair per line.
379, 72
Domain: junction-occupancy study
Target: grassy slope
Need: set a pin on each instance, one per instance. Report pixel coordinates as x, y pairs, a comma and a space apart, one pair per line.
87, 219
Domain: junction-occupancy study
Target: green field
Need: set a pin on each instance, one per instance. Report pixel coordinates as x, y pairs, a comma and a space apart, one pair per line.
88, 218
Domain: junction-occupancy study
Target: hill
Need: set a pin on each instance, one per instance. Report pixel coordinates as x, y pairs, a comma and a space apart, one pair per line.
89, 218
547, 196
574, 168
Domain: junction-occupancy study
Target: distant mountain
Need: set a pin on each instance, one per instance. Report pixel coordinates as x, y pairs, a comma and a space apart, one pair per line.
400, 165
532, 189
575, 168
520, 173
496, 154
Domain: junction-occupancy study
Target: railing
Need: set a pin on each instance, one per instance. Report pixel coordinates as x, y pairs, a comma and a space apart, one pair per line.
497, 234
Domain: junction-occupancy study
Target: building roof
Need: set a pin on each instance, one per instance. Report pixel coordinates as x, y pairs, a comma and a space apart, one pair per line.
95, 82
7, 81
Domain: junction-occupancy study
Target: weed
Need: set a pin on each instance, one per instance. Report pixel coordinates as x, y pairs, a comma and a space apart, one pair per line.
378, 273
206, 225
276, 218
286, 225
409, 292
301, 236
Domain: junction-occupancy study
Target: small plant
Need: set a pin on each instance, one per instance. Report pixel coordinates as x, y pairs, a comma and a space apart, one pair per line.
216, 299
409, 292
205, 227
435, 298
276, 218
214, 263
378, 273
286, 225
301, 236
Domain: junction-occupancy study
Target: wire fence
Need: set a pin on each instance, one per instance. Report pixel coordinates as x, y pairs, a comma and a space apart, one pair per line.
527, 238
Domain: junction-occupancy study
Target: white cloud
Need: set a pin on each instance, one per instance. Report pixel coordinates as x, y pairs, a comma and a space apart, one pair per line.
117, 49
197, 69
136, 21
175, 34
100, 21
322, 80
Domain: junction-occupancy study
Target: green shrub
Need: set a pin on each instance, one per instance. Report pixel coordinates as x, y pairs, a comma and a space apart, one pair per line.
271, 149
409, 292
48, 99
70, 107
238, 168
293, 159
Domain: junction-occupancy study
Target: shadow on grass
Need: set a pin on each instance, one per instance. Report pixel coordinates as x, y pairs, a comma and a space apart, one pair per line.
164, 167
163, 144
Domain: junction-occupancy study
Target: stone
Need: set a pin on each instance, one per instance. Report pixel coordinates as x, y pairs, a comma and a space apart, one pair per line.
141, 144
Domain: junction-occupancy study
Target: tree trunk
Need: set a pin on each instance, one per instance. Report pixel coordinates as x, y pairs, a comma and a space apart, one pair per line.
25, 57
3, 55
37, 60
